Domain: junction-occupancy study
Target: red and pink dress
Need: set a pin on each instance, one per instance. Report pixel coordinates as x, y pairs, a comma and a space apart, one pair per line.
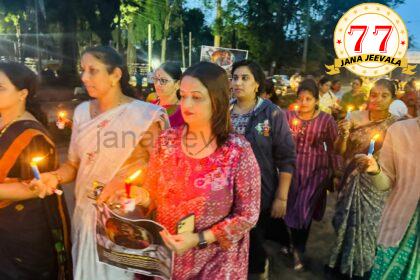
221, 190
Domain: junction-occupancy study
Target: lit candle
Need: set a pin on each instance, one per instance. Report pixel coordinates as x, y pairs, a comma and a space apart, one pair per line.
129, 182
37, 174
295, 124
296, 108
372, 144
349, 109
61, 123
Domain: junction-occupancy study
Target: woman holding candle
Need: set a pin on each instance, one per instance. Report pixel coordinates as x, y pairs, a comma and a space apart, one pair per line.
166, 80
112, 137
360, 204
34, 237
204, 170
397, 254
356, 98
265, 127
314, 133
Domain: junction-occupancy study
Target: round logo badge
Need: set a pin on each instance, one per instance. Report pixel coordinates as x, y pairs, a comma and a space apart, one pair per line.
370, 40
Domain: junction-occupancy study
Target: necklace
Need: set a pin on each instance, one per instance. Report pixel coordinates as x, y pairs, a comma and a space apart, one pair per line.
9, 124
249, 111
370, 117
202, 149
96, 112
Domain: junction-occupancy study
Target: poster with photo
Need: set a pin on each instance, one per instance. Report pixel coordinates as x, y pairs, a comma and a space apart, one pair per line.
132, 243
223, 57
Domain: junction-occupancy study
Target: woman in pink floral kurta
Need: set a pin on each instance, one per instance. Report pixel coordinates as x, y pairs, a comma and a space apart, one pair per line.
223, 193
220, 186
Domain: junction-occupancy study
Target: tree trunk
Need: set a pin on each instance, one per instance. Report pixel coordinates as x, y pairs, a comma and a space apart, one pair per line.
165, 32
182, 40
218, 23
19, 42
131, 50
69, 43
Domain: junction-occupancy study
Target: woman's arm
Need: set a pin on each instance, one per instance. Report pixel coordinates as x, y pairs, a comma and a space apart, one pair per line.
246, 204
332, 136
384, 178
284, 155
147, 143
17, 191
340, 144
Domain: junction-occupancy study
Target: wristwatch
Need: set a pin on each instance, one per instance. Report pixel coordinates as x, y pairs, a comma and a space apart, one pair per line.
202, 243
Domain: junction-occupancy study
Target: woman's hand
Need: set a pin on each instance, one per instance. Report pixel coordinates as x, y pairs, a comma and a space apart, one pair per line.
278, 209
366, 163
180, 243
118, 197
46, 186
344, 128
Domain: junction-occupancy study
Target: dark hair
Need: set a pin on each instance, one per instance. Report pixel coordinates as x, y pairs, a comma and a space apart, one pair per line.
112, 59
24, 78
335, 81
270, 89
309, 85
256, 71
410, 85
388, 84
215, 79
173, 69
324, 80
359, 79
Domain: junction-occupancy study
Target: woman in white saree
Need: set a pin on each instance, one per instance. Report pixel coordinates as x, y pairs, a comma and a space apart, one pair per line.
112, 136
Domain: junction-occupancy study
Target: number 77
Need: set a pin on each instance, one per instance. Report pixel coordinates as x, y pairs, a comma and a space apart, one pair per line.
364, 28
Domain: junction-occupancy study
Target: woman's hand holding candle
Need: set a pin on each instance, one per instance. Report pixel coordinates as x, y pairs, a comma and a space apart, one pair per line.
350, 108
372, 144
344, 128
295, 123
45, 185
367, 164
34, 165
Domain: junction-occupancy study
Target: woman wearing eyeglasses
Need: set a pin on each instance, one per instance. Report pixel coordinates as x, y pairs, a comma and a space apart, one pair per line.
166, 82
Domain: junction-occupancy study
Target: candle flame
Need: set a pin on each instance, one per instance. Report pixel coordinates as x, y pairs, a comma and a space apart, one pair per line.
36, 160
295, 122
350, 108
296, 107
130, 179
376, 136
62, 114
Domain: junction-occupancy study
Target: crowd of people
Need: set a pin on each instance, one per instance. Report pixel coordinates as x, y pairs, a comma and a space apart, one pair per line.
215, 145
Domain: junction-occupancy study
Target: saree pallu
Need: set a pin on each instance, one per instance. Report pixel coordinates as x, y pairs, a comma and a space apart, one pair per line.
359, 207
400, 262
100, 147
34, 233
